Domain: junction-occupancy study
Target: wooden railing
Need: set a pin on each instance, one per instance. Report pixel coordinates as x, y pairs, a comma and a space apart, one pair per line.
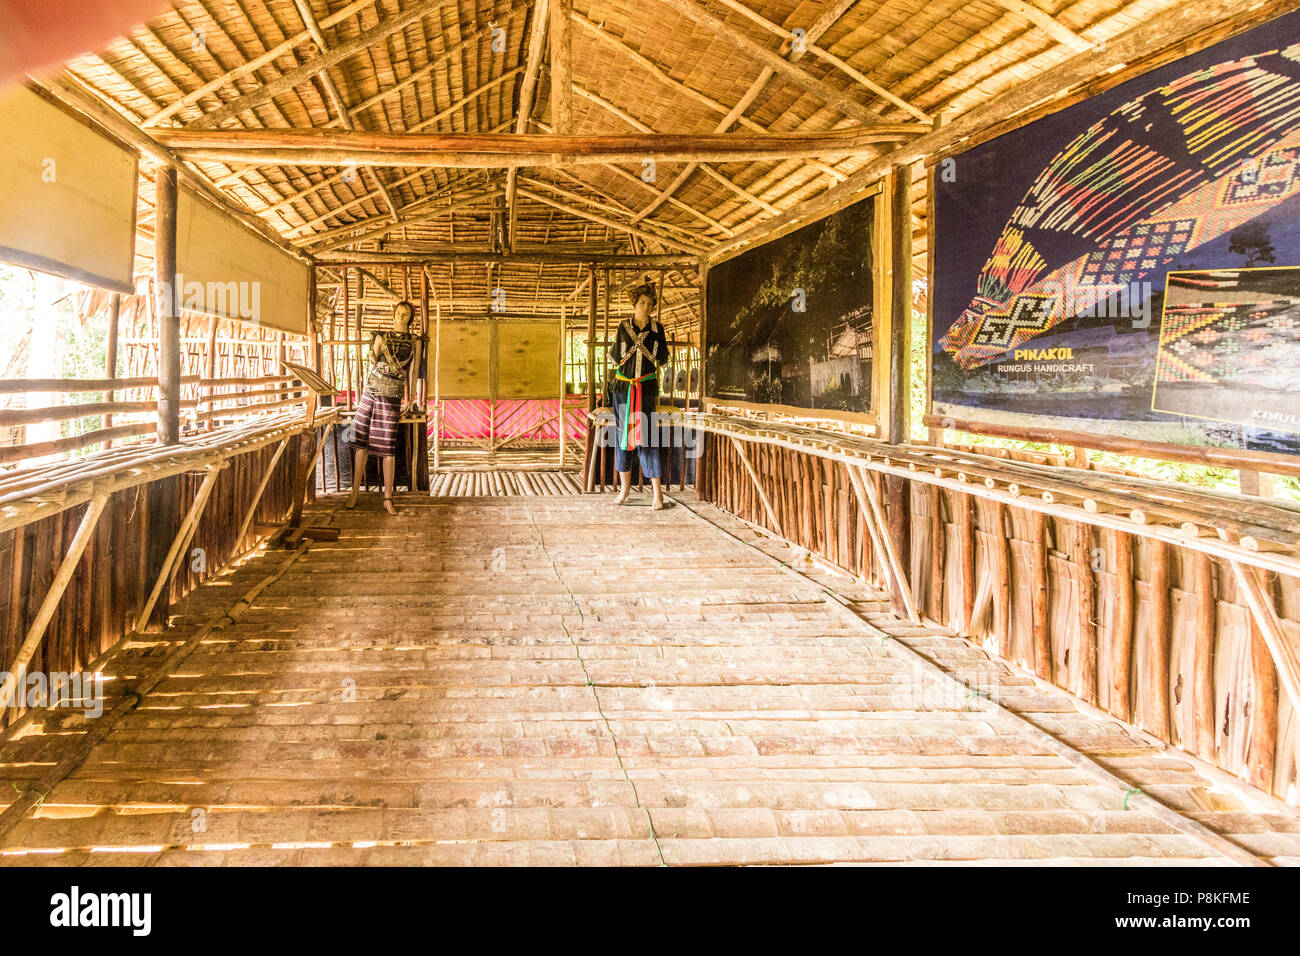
211, 400
1172, 608
95, 548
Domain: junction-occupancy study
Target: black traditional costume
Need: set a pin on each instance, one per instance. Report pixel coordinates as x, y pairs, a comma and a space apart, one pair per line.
637, 355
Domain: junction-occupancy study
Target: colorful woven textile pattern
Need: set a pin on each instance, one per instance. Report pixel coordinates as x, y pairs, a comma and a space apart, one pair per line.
1230, 343
1161, 175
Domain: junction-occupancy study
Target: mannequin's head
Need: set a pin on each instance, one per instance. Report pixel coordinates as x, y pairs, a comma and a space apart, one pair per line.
403, 312
644, 299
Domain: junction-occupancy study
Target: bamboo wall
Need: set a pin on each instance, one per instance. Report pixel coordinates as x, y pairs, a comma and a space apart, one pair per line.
1154, 634
114, 577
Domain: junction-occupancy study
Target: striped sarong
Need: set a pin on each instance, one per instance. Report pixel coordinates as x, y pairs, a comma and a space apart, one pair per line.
374, 429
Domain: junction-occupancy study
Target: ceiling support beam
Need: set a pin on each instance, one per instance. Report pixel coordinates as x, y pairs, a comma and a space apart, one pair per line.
561, 47
316, 147
410, 220
527, 94
611, 223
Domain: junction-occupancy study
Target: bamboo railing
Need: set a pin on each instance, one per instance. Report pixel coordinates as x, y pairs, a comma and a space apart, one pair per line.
1172, 608
96, 548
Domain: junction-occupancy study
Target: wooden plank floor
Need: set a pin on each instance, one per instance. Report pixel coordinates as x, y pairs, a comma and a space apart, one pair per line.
551, 680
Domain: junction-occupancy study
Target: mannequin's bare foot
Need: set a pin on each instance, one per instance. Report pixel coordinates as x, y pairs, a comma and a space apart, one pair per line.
622, 496
658, 503
388, 506
352, 501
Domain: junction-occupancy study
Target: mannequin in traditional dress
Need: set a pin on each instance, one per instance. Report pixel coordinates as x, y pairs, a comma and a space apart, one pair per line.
638, 350
374, 428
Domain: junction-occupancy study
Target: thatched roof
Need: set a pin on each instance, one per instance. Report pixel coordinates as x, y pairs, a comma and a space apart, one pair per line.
663, 66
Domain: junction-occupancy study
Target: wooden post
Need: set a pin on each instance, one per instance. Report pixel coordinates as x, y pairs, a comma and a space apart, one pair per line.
1038, 595
437, 394
166, 297
591, 338
110, 362
1158, 639
564, 322
966, 554
1203, 655
1121, 645
347, 348
1262, 752
899, 184
210, 367
1087, 614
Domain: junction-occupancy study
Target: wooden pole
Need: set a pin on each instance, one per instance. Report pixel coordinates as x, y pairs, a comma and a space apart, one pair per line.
1038, 597
210, 367
166, 296
1121, 646
110, 362
1087, 613
1203, 655
561, 26
591, 338
1158, 639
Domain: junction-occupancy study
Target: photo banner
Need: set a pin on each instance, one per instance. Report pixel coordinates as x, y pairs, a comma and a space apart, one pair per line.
791, 323
67, 195
1130, 265
225, 269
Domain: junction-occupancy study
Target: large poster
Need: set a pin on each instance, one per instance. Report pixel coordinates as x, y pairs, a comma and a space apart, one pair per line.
791, 322
1128, 265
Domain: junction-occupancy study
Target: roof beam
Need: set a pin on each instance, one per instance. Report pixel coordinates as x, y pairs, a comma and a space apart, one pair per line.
794, 74
561, 45
527, 92
1046, 22
1174, 25
335, 97
323, 61
662, 76
611, 223
409, 220
270, 56
317, 147
830, 58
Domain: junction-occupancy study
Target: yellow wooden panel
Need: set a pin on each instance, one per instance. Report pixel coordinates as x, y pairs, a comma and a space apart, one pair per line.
464, 360
67, 194
224, 268
528, 359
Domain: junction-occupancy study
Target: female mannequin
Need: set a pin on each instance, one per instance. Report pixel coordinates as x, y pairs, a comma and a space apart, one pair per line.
374, 429
639, 348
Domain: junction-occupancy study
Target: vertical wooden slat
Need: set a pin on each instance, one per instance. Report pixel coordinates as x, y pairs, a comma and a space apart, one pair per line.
1086, 621
1203, 654
1038, 595
1157, 639
1121, 641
